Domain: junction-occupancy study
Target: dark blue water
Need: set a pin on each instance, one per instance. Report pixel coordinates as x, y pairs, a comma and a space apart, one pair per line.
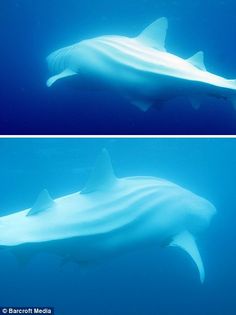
30, 30
151, 281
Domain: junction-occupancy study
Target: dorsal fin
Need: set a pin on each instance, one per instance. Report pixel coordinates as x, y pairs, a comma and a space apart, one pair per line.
102, 176
198, 60
43, 202
155, 34
187, 242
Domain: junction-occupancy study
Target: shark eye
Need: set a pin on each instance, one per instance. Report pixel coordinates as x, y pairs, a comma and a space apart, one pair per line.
166, 242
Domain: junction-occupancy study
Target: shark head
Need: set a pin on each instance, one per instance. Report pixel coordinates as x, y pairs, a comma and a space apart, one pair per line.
200, 214
178, 213
59, 65
96, 52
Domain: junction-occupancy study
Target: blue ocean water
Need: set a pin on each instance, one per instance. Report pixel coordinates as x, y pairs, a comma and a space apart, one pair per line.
30, 30
151, 281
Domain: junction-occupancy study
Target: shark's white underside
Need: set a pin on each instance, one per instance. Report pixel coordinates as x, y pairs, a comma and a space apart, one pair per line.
140, 68
111, 216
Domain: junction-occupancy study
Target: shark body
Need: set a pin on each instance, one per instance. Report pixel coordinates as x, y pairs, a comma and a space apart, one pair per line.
140, 68
109, 217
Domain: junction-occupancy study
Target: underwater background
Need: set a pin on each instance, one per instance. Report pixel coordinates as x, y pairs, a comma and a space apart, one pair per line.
152, 281
32, 29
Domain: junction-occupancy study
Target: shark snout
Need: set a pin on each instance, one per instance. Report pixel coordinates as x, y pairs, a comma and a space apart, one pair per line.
210, 211
200, 216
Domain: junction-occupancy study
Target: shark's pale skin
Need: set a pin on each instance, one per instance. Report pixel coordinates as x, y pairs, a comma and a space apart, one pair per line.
109, 217
140, 69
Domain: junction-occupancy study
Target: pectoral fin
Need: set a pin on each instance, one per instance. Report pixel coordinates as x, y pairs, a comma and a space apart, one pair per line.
186, 241
142, 105
64, 74
196, 103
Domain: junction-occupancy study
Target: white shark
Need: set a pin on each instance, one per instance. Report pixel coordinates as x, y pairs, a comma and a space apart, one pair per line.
110, 216
140, 68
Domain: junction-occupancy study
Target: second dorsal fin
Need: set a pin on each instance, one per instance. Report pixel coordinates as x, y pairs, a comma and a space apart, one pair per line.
198, 60
43, 202
102, 176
